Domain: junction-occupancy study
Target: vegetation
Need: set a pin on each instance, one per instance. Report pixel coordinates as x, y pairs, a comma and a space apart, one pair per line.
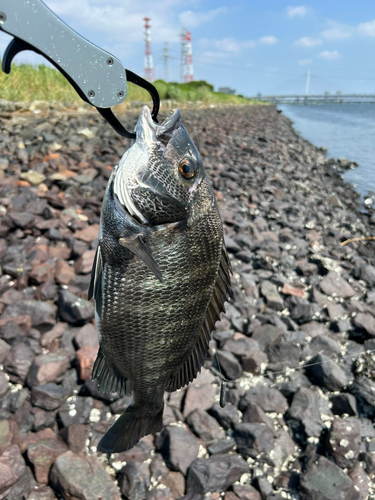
28, 83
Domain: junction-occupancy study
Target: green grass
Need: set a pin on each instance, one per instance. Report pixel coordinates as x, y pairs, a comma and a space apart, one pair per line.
28, 83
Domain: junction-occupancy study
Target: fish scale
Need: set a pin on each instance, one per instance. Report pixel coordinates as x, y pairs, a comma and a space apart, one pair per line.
160, 275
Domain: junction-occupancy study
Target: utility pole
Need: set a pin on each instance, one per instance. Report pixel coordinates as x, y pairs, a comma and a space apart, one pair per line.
307, 83
166, 57
149, 63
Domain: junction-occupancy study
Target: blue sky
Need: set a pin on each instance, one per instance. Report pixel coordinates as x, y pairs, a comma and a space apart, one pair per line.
265, 47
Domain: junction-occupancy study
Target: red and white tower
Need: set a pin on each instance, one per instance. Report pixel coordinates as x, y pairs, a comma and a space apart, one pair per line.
188, 61
149, 63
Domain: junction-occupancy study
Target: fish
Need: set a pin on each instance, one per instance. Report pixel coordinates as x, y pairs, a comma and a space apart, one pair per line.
160, 278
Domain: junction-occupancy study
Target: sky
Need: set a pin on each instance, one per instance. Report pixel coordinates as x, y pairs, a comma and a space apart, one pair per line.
253, 47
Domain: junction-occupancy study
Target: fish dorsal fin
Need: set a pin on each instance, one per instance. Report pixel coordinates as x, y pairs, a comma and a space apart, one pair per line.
95, 288
107, 380
222, 291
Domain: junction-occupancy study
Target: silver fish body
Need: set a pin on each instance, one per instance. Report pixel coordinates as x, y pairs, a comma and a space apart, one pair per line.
160, 276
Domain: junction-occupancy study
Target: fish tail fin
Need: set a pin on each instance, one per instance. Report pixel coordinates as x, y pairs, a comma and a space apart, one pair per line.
128, 429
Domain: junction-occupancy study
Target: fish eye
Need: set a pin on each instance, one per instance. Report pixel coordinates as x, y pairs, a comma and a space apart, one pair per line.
187, 168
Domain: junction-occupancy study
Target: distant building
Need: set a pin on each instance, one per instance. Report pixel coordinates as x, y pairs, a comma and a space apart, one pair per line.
227, 90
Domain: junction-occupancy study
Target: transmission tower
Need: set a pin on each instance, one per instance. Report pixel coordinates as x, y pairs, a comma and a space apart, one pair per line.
166, 57
188, 61
183, 50
149, 63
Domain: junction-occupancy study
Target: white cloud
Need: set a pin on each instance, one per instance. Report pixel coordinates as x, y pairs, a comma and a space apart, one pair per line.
304, 62
330, 55
308, 41
299, 11
190, 19
367, 29
268, 40
336, 31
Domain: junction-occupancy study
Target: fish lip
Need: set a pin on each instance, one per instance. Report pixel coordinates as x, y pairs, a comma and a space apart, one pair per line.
146, 128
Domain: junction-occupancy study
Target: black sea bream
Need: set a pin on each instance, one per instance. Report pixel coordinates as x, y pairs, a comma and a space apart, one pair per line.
160, 276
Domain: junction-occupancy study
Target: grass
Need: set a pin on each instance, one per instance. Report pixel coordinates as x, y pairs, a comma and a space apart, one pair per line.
28, 83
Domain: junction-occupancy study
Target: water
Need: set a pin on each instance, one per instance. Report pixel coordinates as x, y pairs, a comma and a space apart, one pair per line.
347, 130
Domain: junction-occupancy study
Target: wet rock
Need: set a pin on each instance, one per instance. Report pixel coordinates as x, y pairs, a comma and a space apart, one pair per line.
49, 396
205, 426
18, 362
134, 480
253, 438
327, 373
82, 477
324, 480
303, 415
42, 455
334, 284
179, 446
345, 441
74, 309
49, 367
216, 473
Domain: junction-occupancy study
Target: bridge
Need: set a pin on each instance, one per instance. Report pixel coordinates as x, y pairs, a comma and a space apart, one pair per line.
318, 99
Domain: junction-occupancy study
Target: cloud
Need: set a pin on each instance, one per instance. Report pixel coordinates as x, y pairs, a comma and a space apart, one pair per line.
267, 40
367, 29
300, 11
330, 55
338, 31
304, 62
190, 19
308, 41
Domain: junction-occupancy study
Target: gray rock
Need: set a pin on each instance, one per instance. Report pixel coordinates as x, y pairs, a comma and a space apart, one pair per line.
304, 416
18, 362
366, 321
269, 399
253, 438
222, 446
324, 372
42, 313
360, 480
229, 364
345, 441
334, 284
49, 396
272, 296
205, 426
50, 367
73, 309
134, 480
343, 404
179, 446
364, 390
227, 416
76, 410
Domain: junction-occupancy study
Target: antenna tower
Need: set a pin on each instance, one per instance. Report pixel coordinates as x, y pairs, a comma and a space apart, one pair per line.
149, 63
183, 50
166, 57
188, 60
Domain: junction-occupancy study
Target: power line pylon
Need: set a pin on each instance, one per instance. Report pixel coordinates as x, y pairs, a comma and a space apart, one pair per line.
149, 63
188, 61
183, 50
166, 57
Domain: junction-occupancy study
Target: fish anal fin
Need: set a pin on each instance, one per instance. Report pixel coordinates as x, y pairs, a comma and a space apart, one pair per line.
107, 380
220, 294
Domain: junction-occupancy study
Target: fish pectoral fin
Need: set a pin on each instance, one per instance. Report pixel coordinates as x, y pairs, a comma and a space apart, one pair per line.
192, 366
107, 380
95, 288
137, 246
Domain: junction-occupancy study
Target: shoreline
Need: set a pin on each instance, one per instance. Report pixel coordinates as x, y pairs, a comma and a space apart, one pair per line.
302, 304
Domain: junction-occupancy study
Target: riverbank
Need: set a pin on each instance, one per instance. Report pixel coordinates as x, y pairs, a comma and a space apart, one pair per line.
294, 343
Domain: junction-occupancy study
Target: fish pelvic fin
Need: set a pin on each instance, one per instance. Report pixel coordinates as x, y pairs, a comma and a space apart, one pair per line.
128, 429
141, 250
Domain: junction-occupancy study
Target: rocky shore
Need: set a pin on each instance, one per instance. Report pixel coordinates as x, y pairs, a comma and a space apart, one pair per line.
297, 342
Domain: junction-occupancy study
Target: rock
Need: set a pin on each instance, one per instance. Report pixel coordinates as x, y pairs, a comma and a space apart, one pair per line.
89, 234
175, 482
321, 344
18, 362
267, 398
360, 480
216, 473
343, 404
12, 468
253, 438
229, 365
75, 436
87, 336
220, 447
198, 397
41, 493
42, 313
364, 390
84, 264
8, 434
4, 350
4, 384
227, 416
295, 380
49, 396
74, 309
345, 441
273, 299
326, 373
134, 480
76, 410
334, 284
283, 449
82, 477
324, 480
42, 455
254, 413
304, 416
179, 446
263, 486
49, 367
367, 273
366, 322
241, 346
265, 334
205, 426
254, 362
86, 357
64, 273
246, 492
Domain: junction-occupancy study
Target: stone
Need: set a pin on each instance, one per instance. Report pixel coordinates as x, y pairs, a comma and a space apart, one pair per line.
42, 455
86, 357
254, 362
87, 336
85, 478
313, 328
89, 234
303, 416
42, 419
48, 396
41, 273
333, 284
49, 367
263, 486
198, 397
269, 399
4, 350
64, 273
343, 404
18, 362
365, 321
364, 389
367, 273
12, 468
75, 436
220, 447
254, 413
34, 437
205, 426
246, 492
8, 434
84, 264
54, 334
265, 334
321, 344
216, 473
345, 441
326, 373
41, 493
227, 416
241, 346
4, 384
75, 410
42, 313
272, 296
175, 482
284, 448
73, 309
360, 480
229, 364
179, 446
134, 480
252, 439
324, 480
